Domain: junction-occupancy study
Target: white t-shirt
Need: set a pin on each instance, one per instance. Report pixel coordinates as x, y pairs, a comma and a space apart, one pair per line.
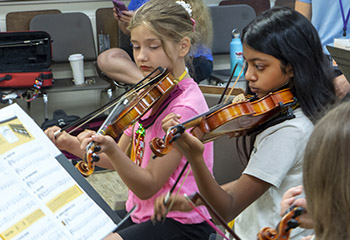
277, 158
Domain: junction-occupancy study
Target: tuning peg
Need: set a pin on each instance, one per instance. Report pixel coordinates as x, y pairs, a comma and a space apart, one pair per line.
95, 158
97, 148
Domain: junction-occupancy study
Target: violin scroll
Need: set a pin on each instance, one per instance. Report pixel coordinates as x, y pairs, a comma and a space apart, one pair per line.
161, 147
84, 168
282, 232
87, 167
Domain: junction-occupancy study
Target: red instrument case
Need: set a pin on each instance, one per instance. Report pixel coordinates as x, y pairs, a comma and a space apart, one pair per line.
25, 59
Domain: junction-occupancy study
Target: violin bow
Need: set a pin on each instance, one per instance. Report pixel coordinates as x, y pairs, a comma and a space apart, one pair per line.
192, 199
234, 84
34, 42
166, 199
118, 108
141, 84
177, 130
228, 83
174, 185
207, 220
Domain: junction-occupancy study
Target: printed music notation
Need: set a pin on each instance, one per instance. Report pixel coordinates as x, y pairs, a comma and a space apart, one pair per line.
19, 128
12, 134
39, 199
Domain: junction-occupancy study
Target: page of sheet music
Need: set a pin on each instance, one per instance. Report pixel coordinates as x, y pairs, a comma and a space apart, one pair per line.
39, 199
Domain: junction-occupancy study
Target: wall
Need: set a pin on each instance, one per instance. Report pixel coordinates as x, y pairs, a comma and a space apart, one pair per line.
77, 103
89, 7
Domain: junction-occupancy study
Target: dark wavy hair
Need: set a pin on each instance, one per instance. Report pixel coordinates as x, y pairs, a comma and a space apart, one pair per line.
290, 37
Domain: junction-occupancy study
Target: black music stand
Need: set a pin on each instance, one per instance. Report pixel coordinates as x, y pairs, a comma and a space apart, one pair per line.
342, 58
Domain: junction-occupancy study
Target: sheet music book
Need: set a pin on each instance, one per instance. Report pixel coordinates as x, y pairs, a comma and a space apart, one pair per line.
342, 58
42, 195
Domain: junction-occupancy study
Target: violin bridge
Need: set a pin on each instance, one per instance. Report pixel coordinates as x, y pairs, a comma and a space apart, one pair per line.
239, 98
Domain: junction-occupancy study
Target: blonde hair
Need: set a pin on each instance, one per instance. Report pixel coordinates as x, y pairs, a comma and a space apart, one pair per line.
167, 20
327, 174
204, 23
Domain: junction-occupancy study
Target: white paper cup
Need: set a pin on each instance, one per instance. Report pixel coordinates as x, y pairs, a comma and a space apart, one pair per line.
77, 65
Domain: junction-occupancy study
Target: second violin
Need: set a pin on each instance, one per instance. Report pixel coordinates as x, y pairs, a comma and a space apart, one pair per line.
234, 118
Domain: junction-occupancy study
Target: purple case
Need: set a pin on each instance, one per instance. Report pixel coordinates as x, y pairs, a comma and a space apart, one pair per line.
119, 6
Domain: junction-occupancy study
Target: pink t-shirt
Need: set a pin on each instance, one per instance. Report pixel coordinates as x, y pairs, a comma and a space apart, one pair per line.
188, 104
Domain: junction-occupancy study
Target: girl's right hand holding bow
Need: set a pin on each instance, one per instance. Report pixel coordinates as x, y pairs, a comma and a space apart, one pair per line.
64, 141
160, 209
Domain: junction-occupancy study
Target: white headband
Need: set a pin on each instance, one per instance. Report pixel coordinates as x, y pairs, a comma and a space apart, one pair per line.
186, 6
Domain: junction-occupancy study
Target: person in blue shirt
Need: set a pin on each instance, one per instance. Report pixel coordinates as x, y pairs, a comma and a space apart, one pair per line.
118, 64
135, 4
331, 19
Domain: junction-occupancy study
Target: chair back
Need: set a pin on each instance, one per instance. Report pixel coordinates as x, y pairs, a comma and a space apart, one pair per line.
258, 5
19, 21
70, 32
107, 29
285, 3
225, 19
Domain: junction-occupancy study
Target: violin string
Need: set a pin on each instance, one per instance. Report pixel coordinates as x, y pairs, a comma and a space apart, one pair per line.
234, 84
98, 113
80, 122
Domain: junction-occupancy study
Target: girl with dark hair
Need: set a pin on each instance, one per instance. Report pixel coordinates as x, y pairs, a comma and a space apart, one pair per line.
282, 50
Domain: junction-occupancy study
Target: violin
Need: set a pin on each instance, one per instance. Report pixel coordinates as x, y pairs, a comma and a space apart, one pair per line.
233, 118
126, 112
282, 232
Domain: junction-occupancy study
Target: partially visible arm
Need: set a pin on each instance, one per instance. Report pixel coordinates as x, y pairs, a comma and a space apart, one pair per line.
342, 86
304, 8
124, 21
230, 199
